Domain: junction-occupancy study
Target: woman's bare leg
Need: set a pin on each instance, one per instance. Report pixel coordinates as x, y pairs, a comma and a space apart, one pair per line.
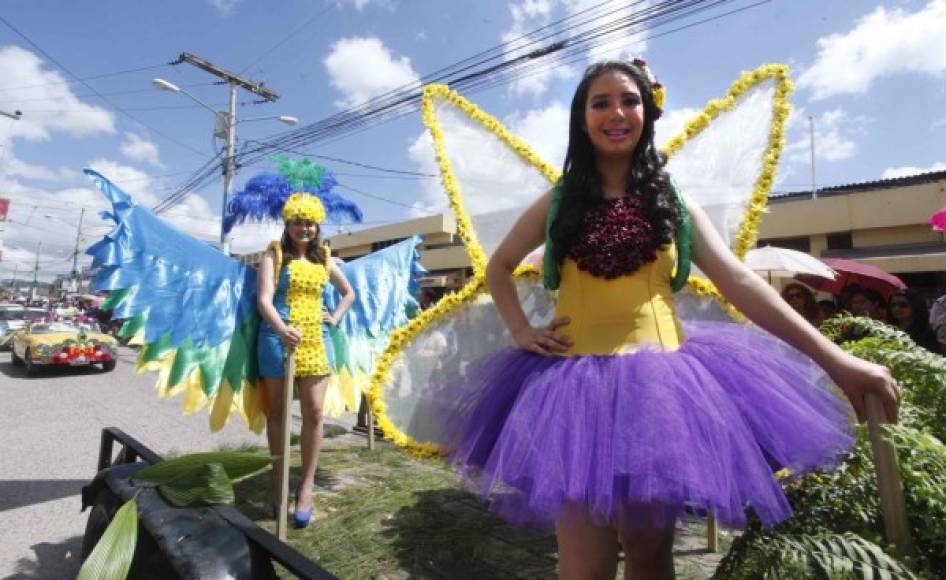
586, 551
311, 400
648, 556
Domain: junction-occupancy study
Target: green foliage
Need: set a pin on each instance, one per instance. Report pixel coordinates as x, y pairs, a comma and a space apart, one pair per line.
203, 485
198, 479
112, 556
837, 529
824, 555
237, 465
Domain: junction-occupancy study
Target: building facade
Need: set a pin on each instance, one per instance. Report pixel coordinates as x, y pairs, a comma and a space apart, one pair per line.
882, 223
879, 222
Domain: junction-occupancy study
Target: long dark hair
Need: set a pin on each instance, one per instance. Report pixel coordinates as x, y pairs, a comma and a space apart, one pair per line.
314, 250
581, 181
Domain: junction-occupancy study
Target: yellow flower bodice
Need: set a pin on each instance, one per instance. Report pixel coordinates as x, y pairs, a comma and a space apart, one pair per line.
618, 316
304, 298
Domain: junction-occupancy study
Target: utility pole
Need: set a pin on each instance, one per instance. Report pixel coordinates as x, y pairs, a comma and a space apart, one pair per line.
39, 248
226, 125
811, 132
75, 254
16, 269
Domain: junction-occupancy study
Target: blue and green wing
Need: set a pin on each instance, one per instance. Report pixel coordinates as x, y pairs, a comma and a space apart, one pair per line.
190, 307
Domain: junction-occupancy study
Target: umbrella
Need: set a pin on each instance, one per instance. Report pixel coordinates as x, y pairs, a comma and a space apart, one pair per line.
851, 272
938, 220
784, 263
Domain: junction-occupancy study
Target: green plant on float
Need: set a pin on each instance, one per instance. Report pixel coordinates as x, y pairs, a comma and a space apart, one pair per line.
837, 530
198, 479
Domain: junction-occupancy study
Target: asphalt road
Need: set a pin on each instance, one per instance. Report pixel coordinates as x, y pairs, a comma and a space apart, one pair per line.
49, 437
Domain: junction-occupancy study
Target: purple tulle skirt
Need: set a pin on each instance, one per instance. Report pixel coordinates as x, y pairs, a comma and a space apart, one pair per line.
641, 440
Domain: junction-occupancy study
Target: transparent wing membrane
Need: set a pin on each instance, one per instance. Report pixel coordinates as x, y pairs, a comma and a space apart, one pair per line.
719, 167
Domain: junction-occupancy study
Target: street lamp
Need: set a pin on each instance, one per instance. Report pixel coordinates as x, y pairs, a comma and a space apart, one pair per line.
224, 128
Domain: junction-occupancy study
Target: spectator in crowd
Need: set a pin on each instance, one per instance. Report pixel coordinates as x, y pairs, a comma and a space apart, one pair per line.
867, 302
826, 310
938, 322
909, 313
802, 300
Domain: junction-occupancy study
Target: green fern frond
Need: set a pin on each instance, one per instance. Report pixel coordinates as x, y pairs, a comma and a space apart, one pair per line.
842, 556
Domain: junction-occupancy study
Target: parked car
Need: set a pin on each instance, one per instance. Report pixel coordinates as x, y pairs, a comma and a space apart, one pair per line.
62, 343
14, 319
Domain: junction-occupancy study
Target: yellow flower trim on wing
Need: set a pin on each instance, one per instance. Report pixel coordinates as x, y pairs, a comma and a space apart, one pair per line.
464, 227
744, 240
403, 336
748, 231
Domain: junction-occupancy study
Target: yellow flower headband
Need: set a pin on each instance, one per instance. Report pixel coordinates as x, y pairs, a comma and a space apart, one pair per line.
303, 206
660, 94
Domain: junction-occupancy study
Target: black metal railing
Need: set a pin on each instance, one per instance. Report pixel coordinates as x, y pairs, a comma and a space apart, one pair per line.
133, 450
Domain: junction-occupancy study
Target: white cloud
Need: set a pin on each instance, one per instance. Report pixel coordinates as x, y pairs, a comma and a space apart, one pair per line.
938, 124
46, 99
139, 149
883, 43
834, 136
491, 176
192, 214
360, 5
545, 130
584, 15
224, 6
529, 15
361, 68
671, 123
892, 172
13, 167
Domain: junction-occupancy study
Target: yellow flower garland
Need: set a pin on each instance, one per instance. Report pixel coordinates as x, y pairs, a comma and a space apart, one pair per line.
748, 230
744, 240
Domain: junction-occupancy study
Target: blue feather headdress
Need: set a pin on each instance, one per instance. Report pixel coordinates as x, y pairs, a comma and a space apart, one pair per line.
265, 194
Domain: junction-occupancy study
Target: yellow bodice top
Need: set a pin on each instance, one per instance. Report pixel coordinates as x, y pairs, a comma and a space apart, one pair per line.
618, 316
304, 297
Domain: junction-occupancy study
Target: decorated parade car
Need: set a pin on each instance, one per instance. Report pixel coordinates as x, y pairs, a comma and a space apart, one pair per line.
15, 319
63, 343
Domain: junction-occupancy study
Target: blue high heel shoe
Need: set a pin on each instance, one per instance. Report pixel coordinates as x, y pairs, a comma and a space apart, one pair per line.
300, 518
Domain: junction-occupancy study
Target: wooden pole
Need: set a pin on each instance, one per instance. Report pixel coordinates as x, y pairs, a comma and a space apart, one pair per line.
370, 427
712, 534
288, 378
889, 485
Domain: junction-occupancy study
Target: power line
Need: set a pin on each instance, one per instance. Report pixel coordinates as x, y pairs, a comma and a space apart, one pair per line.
94, 91
481, 72
384, 199
285, 39
108, 93
88, 78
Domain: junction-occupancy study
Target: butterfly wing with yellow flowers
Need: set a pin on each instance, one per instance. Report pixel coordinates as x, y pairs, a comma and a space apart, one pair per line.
724, 158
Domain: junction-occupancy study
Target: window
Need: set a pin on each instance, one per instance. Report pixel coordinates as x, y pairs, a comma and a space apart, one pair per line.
801, 243
840, 241
375, 246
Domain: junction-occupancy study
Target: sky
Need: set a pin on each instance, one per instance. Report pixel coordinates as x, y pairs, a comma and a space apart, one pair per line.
871, 75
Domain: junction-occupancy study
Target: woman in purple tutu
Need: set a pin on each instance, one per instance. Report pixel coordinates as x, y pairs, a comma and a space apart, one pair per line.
615, 420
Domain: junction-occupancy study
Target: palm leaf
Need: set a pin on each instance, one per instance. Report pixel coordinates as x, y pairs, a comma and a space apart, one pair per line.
236, 465
112, 556
203, 485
